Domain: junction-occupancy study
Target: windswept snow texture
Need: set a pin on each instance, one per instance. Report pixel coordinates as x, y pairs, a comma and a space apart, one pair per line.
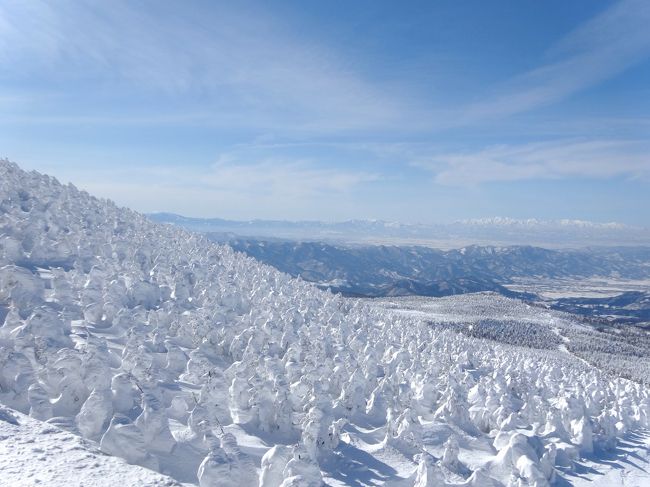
184, 357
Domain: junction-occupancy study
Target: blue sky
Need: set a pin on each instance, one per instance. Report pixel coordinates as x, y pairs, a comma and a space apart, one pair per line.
424, 111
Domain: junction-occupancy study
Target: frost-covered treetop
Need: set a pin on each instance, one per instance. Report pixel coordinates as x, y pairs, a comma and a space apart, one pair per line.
188, 358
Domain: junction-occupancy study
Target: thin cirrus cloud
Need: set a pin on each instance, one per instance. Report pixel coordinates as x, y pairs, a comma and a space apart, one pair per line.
597, 50
238, 188
599, 159
289, 178
305, 119
248, 71
243, 66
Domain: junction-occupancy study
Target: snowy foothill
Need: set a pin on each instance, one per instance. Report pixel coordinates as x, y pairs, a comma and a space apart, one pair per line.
183, 357
622, 350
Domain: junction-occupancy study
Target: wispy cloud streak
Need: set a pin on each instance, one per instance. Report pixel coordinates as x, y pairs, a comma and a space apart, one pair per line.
600, 48
242, 66
231, 186
561, 159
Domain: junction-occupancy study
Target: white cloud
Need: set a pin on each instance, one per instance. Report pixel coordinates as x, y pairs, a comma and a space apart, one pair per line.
247, 70
597, 50
243, 65
231, 187
550, 160
277, 177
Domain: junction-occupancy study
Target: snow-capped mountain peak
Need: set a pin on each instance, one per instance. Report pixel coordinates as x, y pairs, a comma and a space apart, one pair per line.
536, 223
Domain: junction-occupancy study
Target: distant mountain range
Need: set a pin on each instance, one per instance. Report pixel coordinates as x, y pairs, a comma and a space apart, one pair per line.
490, 231
372, 271
381, 271
535, 223
344, 261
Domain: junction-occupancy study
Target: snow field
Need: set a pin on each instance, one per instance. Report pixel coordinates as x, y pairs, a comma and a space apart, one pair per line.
189, 359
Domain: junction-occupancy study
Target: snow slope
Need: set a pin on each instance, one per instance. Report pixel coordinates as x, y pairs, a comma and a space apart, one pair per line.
623, 351
37, 453
187, 358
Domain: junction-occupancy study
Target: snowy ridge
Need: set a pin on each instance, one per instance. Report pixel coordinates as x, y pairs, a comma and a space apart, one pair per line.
500, 221
192, 360
485, 231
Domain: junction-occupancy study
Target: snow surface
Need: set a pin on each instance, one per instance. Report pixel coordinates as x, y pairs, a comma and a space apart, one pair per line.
623, 351
36, 453
184, 357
